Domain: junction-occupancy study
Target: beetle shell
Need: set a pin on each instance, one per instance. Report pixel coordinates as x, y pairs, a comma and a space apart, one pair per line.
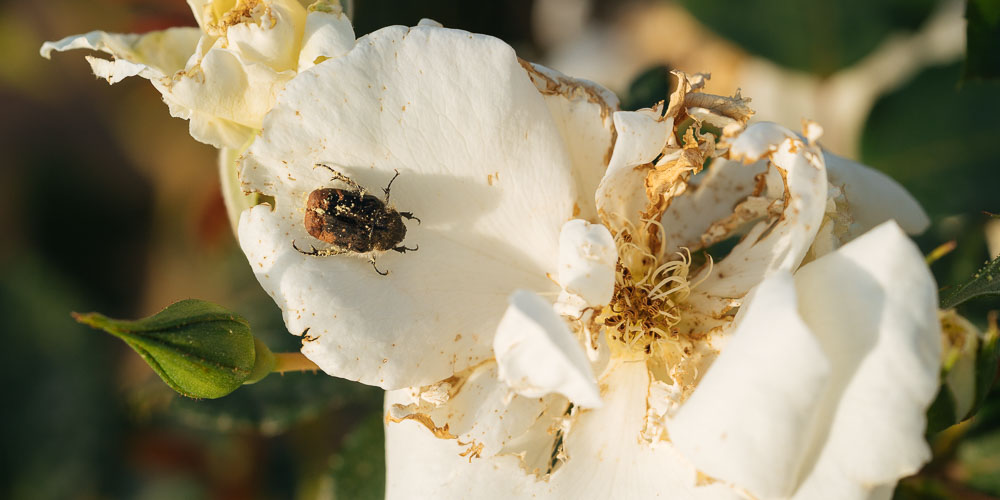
353, 221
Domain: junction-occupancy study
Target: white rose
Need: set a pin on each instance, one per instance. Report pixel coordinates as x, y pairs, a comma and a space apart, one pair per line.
558, 333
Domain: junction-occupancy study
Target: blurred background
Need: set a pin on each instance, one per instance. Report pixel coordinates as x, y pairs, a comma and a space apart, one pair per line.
107, 204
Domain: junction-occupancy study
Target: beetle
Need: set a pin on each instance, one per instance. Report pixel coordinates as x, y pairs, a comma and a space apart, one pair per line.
354, 221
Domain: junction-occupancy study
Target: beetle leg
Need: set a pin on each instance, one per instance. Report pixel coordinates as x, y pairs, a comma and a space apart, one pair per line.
409, 216
389, 186
376, 268
317, 252
337, 176
402, 249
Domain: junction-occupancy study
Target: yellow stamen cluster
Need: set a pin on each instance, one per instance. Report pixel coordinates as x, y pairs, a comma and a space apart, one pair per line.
649, 292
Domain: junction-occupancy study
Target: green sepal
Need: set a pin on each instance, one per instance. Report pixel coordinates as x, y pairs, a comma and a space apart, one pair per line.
943, 411
941, 414
200, 349
986, 281
263, 363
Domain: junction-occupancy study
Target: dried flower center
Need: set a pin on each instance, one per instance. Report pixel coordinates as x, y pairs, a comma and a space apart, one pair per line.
645, 314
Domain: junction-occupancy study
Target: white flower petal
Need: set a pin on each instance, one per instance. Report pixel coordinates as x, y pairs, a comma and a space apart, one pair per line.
223, 88
752, 414
327, 35
481, 163
587, 258
606, 458
477, 411
429, 22
874, 197
782, 240
641, 137
538, 355
872, 306
583, 113
203, 11
114, 70
159, 53
420, 465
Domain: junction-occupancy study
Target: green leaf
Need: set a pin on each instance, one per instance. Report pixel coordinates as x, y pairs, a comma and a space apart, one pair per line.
985, 281
982, 39
200, 349
275, 404
816, 37
939, 142
358, 469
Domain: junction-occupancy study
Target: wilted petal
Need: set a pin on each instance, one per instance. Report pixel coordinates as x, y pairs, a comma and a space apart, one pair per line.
583, 113
723, 186
605, 458
796, 182
473, 408
481, 163
420, 465
538, 355
152, 55
752, 415
872, 306
874, 197
641, 137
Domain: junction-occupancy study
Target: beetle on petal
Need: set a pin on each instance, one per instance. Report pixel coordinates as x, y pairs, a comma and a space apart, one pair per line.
354, 221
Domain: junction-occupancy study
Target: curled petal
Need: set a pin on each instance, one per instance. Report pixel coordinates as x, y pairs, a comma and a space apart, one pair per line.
152, 55
327, 35
872, 306
583, 113
874, 197
269, 32
796, 184
641, 137
689, 221
225, 97
587, 257
538, 355
841, 412
481, 163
